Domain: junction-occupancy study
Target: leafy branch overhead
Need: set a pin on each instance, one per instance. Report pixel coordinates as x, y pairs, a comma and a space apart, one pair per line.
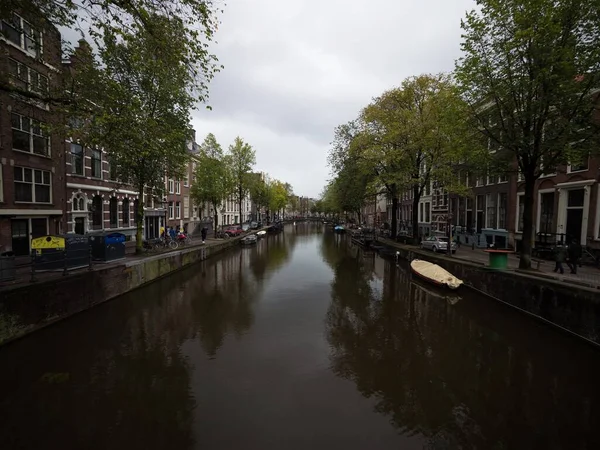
98, 20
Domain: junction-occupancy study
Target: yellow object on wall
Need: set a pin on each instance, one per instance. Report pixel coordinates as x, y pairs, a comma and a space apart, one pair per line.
47, 242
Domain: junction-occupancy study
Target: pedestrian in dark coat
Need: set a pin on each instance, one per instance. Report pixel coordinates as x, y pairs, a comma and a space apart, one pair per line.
204, 232
573, 254
560, 254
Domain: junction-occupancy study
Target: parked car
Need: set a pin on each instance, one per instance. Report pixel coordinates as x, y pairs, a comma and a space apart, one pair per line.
245, 226
254, 225
234, 231
437, 244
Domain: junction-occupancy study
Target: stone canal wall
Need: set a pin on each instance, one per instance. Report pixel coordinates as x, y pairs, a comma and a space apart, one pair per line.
25, 309
572, 308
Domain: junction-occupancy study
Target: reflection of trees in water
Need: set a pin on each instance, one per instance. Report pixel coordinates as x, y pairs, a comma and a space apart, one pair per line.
436, 371
271, 253
111, 378
117, 374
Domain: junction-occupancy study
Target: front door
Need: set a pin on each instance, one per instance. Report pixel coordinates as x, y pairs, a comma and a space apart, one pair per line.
479, 221
39, 227
20, 236
79, 225
574, 222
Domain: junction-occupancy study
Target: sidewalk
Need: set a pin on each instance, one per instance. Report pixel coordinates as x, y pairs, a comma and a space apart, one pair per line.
586, 275
23, 263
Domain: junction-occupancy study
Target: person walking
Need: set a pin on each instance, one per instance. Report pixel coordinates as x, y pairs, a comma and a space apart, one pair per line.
560, 254
172, 233
573, 255
203, 233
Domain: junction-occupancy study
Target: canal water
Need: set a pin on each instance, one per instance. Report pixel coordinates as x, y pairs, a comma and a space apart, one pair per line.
301, 342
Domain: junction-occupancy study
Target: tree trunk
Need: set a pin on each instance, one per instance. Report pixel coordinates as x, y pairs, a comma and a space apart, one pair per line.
394, 215
526, 247
139, 222
415, 214
240, 208
216, 219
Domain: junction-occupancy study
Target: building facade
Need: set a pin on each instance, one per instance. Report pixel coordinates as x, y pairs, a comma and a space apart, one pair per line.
96, 201
32, 183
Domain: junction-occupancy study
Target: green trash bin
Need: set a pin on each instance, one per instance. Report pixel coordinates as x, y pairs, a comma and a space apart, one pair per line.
498, 259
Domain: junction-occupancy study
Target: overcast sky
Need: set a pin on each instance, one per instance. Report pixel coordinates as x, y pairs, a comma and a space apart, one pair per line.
294, 70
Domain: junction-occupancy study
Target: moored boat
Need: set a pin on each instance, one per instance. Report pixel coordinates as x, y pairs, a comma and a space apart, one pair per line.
250, 239
434, 274
261, 233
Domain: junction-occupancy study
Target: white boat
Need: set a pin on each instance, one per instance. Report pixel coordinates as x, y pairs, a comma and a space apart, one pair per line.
434, 274
261, 233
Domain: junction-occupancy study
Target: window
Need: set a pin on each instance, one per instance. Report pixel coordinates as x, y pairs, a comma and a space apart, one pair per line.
112, 172
97, 213
96, 164
28, 135
186, 207
31, 185
78, 204
171, 212
113, 209
26, 78
186, 180
491, 210
427, 213
76, 159
171, 186
177, 187
20, 33
177, 210
520, 210
546, 213
579, 166
503, 178
502, 204
125, 212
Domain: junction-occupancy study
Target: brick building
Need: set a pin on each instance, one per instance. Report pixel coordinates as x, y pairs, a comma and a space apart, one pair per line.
32, 161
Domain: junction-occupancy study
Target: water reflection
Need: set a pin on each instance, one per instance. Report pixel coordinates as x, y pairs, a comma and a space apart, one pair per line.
117, 374
456, 370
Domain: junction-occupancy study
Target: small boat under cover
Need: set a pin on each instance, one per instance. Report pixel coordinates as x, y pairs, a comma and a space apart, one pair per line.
434, 274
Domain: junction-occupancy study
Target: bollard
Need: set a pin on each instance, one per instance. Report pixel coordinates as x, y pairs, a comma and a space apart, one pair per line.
33, 253
65, 262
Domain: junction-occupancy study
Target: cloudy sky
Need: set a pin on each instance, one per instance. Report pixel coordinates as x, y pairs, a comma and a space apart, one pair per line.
294, 69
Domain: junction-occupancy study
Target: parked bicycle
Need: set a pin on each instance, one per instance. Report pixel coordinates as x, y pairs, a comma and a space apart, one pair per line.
183, 239
166, 242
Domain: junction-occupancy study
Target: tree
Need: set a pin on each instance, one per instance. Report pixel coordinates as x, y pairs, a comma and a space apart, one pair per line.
278, 196
212, 178
258, 192
412, 136
241, 158
528, 73
125, 20
138, 103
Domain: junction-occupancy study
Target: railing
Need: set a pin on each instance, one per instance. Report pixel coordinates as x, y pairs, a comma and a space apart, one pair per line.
63, 260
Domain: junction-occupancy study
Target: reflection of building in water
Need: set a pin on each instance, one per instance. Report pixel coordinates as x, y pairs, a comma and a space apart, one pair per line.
379, 267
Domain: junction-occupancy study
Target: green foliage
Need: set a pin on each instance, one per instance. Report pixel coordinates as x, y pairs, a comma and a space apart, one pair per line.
213, 181
138, 105
278, 195
404, 140
241, 159
126, 20
528, 74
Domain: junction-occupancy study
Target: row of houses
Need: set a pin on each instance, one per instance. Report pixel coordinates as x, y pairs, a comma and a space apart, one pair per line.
566, 204
49, 185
